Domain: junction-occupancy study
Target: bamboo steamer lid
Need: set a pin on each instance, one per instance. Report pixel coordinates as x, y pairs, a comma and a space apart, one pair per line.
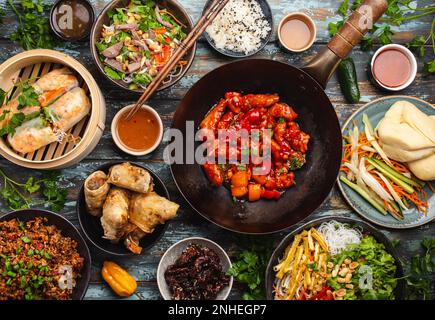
34, 63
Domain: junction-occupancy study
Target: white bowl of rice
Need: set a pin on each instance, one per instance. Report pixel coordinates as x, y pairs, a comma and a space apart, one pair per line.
241, 29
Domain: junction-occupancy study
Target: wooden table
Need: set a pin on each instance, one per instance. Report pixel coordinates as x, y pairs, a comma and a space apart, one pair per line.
188, 223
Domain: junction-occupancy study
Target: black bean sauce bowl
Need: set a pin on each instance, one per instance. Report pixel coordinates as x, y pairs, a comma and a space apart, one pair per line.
67, 229
363, 226
94, 232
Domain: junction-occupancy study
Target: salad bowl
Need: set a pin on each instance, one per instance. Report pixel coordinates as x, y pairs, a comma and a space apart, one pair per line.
175, 9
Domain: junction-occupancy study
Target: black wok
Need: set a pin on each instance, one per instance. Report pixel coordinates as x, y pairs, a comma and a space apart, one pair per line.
301, 88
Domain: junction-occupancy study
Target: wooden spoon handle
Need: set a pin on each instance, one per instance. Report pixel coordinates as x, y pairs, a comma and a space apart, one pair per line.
361, 21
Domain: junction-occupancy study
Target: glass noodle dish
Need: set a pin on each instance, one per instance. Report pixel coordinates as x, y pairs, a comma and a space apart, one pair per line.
335, 262
139, 40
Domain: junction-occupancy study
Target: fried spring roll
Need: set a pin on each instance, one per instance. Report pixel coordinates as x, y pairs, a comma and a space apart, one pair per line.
96, 190
148, 210
130, 177
115, 214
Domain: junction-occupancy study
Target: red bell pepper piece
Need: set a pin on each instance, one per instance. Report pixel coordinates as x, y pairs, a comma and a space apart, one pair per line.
270, 194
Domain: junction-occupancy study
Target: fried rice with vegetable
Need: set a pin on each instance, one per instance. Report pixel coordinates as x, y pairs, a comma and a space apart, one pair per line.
36, 261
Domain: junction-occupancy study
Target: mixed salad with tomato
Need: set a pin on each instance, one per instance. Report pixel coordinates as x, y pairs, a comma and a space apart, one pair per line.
138, 42
260, 176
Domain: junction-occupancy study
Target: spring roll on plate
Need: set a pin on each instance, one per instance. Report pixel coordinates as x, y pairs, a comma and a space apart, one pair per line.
148, 210
130, 177
115, 214
96, 190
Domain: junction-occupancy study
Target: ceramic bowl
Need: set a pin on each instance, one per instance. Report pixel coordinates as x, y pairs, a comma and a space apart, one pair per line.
365, 227
375, 110
93, 230
174, 7
411, 59
119, 142
174, 252
267, 11
67, 229
304, 18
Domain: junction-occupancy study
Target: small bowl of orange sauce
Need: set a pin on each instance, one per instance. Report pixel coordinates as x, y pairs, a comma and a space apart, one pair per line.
393, 67
297, 32
139, 135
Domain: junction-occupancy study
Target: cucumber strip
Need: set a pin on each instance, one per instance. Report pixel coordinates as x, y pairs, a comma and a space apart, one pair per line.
396, 212
401, 183
370, 167
398, 175
363, 194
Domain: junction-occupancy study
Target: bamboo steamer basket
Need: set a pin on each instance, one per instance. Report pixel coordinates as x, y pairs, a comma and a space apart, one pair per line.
35, 63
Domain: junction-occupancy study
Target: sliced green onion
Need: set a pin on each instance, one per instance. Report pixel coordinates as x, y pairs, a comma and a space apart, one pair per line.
25, 239
399, 175
392, 191
401, 183
364, 194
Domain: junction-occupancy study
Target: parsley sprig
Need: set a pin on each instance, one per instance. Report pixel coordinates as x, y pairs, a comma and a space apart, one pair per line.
249, 269
33, 28
18, 195
419, 43
27, 97
2, 14
419, 280
397, 13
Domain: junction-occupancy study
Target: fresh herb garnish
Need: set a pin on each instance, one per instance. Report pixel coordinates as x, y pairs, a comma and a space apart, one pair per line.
313, 266
28, 97
2, 14
419, 280
15, 121
25, 239
418, 45
296, 161
3, 95
18, 195
249, 268
33, 28
112, 73
54, 195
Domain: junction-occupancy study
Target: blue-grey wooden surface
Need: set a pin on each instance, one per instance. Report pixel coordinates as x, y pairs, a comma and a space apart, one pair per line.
188, 223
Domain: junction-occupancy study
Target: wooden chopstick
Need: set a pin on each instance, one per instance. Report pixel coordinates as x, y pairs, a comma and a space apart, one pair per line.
208, 17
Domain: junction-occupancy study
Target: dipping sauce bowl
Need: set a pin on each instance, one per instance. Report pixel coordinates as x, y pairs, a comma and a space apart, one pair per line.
393, 67
141, 134
297, 32
71, 20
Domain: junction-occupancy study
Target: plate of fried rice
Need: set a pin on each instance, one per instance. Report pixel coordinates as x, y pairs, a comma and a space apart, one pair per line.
42, 257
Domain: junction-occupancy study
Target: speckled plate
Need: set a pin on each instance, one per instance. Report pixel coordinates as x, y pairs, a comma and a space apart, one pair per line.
376, 110
267, 11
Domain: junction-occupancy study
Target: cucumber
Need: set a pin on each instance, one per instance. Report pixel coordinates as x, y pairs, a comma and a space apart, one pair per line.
348, 81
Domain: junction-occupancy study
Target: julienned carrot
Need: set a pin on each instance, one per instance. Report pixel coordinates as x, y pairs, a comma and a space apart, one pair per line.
399, 167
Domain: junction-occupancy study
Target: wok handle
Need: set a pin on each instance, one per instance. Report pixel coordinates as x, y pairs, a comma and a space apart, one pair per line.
323, 65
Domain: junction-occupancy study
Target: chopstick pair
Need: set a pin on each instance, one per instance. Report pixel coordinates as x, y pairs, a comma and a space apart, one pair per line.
208, 17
